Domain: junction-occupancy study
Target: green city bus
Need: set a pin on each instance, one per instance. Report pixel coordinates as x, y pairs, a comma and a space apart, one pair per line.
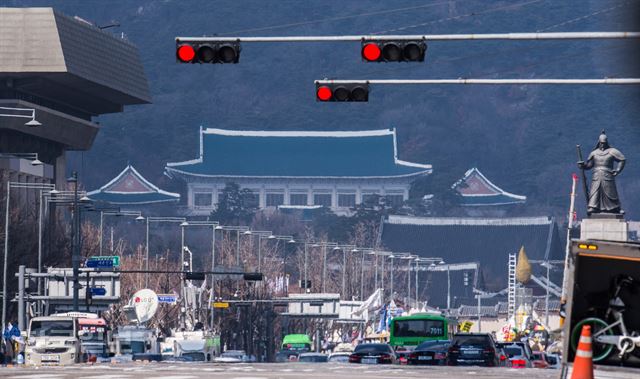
297, 342
415, 329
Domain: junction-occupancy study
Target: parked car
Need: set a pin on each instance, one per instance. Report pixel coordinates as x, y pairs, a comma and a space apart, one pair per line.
287, 356
339, 357
313, 358
519, 353
476, 349
429, 353
234, 356
539, 360
373, 353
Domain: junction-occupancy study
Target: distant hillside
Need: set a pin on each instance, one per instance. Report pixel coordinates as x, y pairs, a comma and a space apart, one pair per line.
522, 137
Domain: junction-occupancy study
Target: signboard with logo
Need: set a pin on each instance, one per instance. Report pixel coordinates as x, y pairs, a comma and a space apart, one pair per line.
167, 298
103, 261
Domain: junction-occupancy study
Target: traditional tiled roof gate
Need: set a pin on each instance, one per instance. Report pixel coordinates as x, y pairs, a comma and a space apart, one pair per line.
131, 188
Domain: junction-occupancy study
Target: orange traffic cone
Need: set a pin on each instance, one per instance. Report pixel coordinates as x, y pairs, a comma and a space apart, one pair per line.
583, 364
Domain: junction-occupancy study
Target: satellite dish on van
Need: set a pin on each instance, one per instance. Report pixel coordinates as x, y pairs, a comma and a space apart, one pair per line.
145, 304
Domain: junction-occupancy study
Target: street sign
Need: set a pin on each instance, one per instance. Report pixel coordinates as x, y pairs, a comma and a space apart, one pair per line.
167, 298
103, 261
220, 305
98, 291
465, 326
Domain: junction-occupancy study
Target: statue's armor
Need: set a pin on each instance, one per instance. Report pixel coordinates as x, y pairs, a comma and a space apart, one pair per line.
603, 195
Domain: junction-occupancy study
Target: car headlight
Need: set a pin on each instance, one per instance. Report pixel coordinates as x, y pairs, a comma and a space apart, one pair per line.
71, 343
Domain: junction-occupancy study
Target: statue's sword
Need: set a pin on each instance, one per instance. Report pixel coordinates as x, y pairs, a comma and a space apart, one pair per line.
584, 176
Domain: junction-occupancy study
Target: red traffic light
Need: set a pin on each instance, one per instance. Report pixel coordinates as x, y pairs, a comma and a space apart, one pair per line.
186, 53
324, 93
207, 51
342, 92
380, 50
371, 52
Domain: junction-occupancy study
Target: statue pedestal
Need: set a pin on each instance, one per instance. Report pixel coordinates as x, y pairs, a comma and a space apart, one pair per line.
610, 227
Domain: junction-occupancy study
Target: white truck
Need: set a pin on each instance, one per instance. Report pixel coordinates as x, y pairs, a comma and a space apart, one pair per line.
53, 340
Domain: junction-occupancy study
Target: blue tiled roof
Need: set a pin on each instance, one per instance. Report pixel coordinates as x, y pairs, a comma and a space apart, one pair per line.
297, 154
458, 240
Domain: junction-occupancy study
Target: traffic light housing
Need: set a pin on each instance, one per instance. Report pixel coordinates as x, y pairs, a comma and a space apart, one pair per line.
207, 51
194, 276
252, 276
393, 50
347, 92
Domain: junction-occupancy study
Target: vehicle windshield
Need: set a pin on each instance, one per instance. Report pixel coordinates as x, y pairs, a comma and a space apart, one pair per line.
552, 360
372, 348
231, 354
433, 345
194, 356
418, 328
132, 347
312, 358
51, 328
471, 340
512, 351
93, 334
339, 358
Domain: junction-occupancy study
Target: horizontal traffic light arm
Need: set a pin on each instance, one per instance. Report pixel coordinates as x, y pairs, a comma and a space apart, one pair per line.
427, 37
483, 81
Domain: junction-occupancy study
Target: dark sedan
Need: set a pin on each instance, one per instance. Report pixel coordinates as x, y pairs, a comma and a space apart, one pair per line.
373, 353
475, 349
429, 353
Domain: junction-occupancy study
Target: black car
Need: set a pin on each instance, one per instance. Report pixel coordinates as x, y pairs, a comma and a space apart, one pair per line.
373, 353
429, 353
477, 349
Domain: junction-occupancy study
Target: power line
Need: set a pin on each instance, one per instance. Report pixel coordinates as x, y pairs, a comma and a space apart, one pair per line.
570, 21
497, 9
310, 22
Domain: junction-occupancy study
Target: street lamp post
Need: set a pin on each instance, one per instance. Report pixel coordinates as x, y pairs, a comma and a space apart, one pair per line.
151, 220
118, 213
289, 240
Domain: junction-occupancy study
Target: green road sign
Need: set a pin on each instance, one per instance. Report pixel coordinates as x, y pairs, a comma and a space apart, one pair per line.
113, 259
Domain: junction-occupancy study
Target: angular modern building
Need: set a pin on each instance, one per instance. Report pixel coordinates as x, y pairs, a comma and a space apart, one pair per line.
59, 71
337, 170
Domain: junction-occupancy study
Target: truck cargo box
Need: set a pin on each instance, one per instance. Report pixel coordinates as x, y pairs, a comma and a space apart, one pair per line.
594, 269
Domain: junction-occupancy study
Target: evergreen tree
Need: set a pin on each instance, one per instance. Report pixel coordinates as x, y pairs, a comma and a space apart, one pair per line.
235, 206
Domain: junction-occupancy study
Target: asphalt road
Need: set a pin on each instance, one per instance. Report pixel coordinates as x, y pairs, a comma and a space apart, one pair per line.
277, 371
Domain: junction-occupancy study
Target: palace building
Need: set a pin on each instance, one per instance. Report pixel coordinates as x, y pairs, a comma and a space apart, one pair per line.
337, 170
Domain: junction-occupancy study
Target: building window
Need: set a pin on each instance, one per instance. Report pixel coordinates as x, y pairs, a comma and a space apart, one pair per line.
202, 199
298, 199
323, 199
394, 199
346, 200
275, 199
251, 198
370, 198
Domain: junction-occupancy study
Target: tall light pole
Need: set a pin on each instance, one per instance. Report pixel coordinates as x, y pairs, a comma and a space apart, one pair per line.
151, 220
117, 213
289, 240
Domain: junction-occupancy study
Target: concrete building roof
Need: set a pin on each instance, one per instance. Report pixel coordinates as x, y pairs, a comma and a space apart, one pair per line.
298, 154
68, 62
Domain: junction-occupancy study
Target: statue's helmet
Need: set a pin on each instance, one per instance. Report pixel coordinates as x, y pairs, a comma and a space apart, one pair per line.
602, 138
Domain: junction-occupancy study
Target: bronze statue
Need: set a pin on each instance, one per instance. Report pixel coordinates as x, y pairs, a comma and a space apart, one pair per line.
603, 195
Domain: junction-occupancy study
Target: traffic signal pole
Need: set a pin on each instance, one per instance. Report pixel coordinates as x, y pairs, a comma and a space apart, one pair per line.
426, 37
484, 81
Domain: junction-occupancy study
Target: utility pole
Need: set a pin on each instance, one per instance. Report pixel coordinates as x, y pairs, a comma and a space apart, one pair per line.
75, 257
